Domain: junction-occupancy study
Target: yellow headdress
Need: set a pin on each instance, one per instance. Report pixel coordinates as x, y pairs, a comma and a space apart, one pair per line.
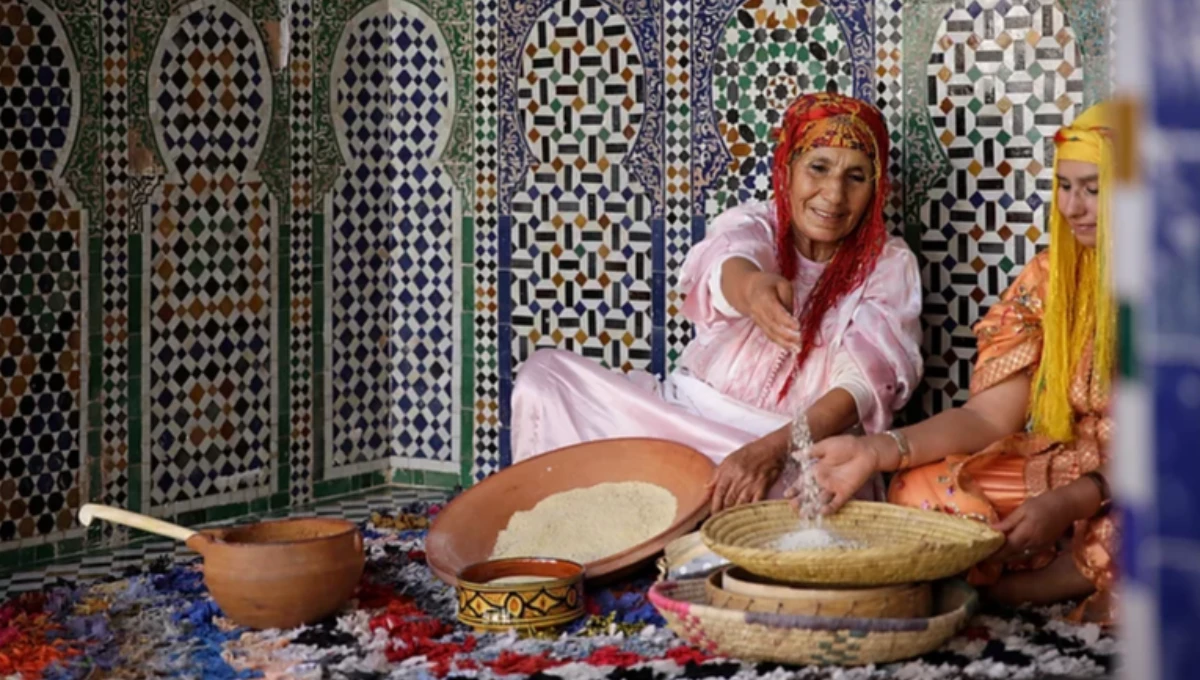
1079, 305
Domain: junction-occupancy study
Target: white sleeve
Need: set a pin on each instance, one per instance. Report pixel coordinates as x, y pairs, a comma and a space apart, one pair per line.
845, 374
719, 301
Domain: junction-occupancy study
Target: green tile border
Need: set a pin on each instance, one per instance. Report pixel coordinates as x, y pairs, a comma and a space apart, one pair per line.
363, 481
442, 480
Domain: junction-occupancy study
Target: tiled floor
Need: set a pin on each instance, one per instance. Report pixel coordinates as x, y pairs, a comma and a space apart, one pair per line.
141, 555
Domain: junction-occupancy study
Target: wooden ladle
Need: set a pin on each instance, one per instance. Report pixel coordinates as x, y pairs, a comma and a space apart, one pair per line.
274, 574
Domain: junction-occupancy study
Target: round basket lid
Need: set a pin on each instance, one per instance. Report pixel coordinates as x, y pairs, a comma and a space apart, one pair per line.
889, 544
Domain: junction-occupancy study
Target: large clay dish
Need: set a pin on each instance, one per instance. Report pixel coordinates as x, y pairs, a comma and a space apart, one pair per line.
465, 531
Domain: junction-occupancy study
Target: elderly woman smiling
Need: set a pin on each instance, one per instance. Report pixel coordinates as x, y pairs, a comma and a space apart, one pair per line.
804, 306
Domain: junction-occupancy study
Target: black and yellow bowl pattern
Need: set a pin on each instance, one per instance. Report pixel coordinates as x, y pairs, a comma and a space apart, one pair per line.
522, 606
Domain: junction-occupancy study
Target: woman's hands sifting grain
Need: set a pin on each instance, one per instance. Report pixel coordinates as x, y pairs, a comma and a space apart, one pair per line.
844, 464
746, 475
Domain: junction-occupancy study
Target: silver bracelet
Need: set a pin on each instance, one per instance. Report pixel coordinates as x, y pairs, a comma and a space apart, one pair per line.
901, 444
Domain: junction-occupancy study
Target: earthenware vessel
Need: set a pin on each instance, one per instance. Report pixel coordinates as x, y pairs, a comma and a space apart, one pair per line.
465, 531
273, 574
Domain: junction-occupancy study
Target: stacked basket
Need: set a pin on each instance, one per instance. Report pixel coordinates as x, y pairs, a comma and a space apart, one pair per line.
881, 600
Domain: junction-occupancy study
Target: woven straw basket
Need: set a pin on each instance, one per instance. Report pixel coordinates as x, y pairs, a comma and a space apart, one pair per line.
734, 588
902, 545
807, 640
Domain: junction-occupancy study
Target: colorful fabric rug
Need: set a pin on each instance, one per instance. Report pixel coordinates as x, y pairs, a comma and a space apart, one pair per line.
162, 624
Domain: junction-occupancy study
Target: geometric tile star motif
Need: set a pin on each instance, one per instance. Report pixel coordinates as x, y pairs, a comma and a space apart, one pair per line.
581, 260
1003, 80
210, 260
393, 212
42, 232
771, 53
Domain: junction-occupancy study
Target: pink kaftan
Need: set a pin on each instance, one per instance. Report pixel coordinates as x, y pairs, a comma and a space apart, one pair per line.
724, 392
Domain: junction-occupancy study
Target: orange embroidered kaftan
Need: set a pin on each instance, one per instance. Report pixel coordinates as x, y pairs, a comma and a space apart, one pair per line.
992, 483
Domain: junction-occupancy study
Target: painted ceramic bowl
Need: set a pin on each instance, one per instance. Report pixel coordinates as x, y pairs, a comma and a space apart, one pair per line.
521, 592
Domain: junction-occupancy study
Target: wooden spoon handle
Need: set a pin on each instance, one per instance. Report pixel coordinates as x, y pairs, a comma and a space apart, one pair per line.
151, 525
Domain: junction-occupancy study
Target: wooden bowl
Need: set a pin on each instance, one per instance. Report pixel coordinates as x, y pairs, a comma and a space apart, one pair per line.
736, 588
465, 531
485, 604
283, 573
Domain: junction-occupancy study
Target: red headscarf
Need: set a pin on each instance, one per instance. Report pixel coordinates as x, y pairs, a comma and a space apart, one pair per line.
816, 120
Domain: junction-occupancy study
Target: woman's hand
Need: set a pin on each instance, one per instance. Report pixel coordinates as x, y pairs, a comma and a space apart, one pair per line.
1036, 524
844, 464
769, 298
746, 475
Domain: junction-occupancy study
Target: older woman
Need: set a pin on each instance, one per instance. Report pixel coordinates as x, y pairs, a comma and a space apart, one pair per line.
803, 306
1045, 355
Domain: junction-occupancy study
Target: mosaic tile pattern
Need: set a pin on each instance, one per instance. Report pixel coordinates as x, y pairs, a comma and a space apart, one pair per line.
393, 217
42, 381
302, 428
1002, 81
678, 220
616, 323
848, 22
486, 376
1095, 30
676, 158
423, 260
581, 233
889, 97
769, 55
115, 270
209, 263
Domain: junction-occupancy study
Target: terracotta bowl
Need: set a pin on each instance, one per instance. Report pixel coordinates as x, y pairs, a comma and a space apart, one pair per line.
465, 531
493, 596
284, 573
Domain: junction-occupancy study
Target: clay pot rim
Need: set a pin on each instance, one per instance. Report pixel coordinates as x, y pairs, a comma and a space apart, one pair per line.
216, 535
605, 567
493, 566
